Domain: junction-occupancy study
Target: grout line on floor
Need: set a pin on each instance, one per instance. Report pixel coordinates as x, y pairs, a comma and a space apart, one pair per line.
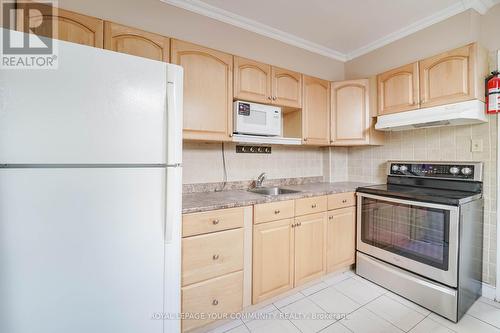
496, 327
418, 322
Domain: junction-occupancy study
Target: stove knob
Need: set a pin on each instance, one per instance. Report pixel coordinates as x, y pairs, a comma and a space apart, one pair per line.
395, 167
403, 168
466, 171
454, 170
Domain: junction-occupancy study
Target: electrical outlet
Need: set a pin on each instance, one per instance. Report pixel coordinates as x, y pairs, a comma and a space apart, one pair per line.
476, 145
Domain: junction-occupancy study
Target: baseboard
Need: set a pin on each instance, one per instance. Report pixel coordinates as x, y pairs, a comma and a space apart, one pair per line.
489, 291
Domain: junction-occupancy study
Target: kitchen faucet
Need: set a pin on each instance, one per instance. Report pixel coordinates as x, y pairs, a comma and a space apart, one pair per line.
260, 179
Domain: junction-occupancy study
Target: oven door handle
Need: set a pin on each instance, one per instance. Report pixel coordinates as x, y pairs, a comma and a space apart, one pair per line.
406, 202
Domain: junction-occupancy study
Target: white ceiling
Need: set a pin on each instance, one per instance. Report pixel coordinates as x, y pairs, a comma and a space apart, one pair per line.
340, 29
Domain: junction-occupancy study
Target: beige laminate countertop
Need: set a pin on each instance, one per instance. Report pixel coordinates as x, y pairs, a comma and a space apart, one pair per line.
205, 201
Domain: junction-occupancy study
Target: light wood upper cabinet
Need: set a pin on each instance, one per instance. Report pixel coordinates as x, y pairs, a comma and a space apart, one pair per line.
316, 111
453, 76
398, 90
67, 26
252, 80
272, 259
286, 88
310, 254
341, 237
208, 91
352, 121
136, 42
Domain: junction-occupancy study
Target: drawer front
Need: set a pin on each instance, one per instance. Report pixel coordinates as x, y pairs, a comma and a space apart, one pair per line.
310, 205
208, 256
273, 211
220, 295
341, 200
215, 220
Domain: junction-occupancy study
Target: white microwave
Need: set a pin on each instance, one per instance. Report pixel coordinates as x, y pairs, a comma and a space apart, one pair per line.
257, 119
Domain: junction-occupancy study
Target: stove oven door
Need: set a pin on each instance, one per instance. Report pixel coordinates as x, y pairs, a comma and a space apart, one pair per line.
417, 236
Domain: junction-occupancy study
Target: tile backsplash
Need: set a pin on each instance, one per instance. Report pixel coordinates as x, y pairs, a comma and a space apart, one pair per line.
368, 164
203, 163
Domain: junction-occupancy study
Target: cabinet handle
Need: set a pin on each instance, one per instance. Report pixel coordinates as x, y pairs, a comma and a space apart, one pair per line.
215, 257
274, 98
330, 217
313, 206
269, 97
299, 224
215, 222
344, 201
215, 302
305, 139
277, 211
294, 225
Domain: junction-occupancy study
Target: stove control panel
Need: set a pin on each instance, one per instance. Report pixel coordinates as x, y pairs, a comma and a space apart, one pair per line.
449, 170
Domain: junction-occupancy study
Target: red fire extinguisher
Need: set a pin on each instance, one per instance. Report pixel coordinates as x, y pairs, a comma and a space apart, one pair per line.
493, 93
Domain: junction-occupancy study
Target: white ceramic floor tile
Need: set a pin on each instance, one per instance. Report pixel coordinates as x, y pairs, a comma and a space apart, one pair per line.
359, 291
430, 326
275, 325
305, 314
334, 279
227, 326
239, 329
368, 282
336, 328
490, 302
467, 324
408, 303
314, 288
258, 313
394, 312
333, 301
485, 312
363, 321
288, 300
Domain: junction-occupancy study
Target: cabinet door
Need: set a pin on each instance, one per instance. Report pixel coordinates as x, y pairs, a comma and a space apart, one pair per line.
316, 111
341, 235
272, 259
208, 87
310, 247
252, 80
286, 88
350, 120
66, 25
136, 42
449, 77
398, 90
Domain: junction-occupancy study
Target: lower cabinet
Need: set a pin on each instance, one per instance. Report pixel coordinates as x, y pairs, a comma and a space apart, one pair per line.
272, 259
341, 238
288, 253
310, 254
221, 295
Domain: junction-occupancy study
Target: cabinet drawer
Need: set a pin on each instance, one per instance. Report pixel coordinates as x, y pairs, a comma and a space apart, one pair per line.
215, 220
310, 205
220, 295
341, 200
207, 256
273, 211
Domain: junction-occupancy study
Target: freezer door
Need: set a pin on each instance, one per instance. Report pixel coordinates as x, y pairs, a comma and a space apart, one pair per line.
98, 106
83, 250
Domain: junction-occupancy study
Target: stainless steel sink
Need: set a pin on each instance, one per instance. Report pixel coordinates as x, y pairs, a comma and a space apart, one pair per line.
271, 190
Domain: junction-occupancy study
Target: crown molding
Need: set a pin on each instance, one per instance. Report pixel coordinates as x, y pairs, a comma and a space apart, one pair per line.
202, 8
239, 21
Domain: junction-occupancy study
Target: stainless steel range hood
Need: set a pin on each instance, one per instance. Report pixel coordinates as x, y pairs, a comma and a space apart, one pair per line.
463, 113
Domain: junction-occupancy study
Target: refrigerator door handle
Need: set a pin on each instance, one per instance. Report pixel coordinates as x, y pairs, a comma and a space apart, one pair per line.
173, 204
174, 125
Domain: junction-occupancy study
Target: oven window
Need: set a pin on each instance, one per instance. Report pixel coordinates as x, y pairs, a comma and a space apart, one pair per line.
415, 232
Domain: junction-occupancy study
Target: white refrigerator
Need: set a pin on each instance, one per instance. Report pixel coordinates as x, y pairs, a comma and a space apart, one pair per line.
90, 195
